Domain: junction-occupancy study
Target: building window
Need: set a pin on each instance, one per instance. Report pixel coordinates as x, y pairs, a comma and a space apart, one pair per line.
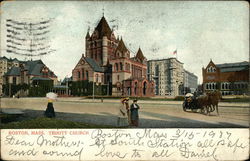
83, 74
118, 77
96, 78
14, 80
121, 66
79, 74
102, 78
116, 67
87, 75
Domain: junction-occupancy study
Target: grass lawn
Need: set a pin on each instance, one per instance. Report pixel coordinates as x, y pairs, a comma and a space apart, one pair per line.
48, 123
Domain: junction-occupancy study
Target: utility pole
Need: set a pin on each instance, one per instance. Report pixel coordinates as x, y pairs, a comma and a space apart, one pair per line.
108, 89
9, 89
93, 90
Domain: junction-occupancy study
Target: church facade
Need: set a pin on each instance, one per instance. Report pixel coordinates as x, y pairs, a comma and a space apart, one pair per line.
107, 61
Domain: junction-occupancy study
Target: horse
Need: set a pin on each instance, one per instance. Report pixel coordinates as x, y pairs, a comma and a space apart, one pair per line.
213, 99
203, 104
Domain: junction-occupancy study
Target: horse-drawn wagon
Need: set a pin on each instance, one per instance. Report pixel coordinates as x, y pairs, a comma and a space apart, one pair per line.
204, 104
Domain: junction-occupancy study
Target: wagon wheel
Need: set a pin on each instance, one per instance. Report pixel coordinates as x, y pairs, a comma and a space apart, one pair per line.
194, 110
184, 107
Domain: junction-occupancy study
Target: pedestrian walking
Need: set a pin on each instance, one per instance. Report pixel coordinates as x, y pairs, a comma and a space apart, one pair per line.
50, 112
128, 110
134, 107
122, 120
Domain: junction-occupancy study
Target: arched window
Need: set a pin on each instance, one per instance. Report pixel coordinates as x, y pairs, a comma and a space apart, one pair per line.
116, 66
121, 66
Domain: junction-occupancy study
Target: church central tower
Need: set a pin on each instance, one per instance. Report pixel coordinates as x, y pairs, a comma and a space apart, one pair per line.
101, 45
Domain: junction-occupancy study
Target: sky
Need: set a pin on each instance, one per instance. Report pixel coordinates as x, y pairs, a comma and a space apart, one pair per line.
199, 31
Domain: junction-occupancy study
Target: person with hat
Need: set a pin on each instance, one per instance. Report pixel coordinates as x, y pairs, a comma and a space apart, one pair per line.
122, 113
50, 112
134, 107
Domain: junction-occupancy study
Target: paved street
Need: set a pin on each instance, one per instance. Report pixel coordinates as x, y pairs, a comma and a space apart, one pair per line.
153, 114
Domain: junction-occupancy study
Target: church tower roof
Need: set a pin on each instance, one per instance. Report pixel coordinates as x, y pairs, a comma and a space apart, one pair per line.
103, 28
121, 46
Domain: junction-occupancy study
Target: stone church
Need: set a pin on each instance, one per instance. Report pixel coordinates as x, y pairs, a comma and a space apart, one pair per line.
108, 62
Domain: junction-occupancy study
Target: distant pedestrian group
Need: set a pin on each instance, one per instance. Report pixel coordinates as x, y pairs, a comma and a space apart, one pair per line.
128, 115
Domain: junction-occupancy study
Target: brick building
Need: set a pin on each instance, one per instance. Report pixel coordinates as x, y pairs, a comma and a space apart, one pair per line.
229, 78
108, 62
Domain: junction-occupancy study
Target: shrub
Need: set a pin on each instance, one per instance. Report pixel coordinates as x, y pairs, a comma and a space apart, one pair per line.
179, 98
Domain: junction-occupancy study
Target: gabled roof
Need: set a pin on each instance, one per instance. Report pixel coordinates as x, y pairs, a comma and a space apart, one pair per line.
65, 80
96, 67
37, 69
103, 28
32, 68
14, 71
121, 47
15, 59
4, 58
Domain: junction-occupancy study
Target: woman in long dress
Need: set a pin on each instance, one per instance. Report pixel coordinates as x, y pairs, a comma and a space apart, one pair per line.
50, 112
122, 114
134, 107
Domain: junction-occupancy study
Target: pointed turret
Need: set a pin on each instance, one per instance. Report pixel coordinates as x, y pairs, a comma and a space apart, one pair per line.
121, 46
87, 35
140, 55
103, 28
